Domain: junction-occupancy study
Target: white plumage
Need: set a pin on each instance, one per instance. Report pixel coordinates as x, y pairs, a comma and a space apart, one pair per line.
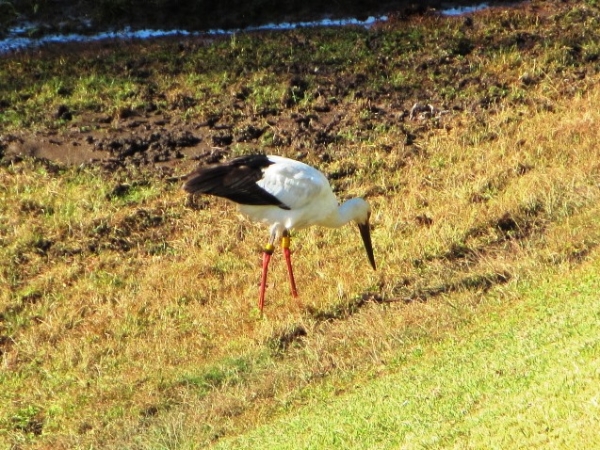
286, 194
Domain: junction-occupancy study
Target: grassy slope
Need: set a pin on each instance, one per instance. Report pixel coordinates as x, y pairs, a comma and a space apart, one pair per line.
523, 374
518, 369
127, 319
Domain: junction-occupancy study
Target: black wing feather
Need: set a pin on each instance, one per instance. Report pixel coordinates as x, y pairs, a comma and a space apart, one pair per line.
234, 180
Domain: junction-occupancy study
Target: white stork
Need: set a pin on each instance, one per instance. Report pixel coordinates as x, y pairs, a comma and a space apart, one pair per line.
285, 194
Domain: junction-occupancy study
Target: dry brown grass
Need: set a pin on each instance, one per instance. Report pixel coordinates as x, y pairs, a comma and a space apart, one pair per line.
136, 323
128, 319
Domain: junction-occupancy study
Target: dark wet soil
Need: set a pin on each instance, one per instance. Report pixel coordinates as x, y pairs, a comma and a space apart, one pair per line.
150, 137
158, 140
200, 15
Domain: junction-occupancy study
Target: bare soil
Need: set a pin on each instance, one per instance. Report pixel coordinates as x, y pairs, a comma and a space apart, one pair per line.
155, 138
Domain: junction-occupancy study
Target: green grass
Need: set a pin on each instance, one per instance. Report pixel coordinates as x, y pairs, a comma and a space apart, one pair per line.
523, 373
128, 318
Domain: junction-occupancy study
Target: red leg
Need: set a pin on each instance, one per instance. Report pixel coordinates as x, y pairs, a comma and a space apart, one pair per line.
263, 281
285, 244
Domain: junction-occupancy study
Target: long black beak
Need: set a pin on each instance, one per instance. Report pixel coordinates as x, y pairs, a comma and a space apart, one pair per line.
365, 233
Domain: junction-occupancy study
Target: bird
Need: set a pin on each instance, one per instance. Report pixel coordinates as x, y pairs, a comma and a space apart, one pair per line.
286, 195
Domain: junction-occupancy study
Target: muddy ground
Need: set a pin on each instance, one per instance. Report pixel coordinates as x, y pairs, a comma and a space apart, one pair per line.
156, 138
89, 15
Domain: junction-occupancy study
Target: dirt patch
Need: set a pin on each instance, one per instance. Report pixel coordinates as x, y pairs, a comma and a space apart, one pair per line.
157, 140
321, 105
139, 140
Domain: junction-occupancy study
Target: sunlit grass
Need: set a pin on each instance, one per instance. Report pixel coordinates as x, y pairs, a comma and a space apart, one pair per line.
176, 330
520, 373
129, 319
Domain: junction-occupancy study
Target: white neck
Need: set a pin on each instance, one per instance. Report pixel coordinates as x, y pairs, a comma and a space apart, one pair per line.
353, 209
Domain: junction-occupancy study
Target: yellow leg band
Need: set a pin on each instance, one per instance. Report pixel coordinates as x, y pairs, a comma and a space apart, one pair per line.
285, 242
269, 248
